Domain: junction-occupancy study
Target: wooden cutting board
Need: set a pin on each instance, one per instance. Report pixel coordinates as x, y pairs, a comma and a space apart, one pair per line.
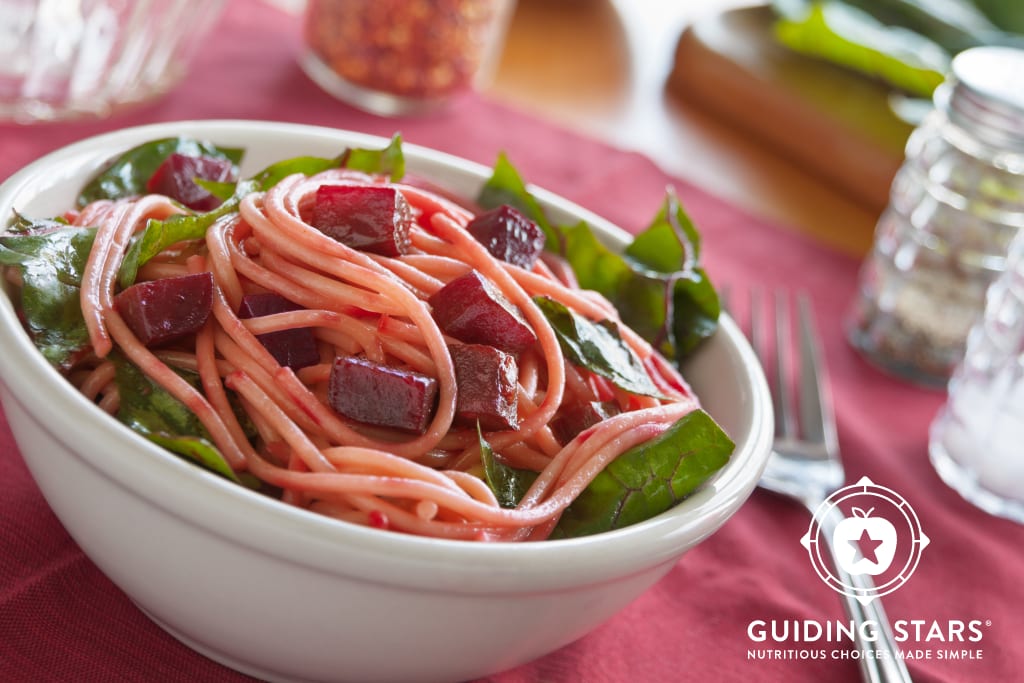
835, 123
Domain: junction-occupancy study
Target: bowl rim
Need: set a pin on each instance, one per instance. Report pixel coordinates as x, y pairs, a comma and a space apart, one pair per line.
275, 529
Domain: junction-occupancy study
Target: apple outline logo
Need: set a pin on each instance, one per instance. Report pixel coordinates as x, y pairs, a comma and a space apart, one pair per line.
829, 515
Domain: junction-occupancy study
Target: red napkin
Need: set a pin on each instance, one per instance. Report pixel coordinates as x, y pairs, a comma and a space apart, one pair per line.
61, 619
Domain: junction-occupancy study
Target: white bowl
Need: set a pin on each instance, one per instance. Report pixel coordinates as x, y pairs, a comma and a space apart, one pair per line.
285, 594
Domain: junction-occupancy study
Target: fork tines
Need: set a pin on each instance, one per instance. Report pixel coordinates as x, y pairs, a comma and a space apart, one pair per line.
792, 360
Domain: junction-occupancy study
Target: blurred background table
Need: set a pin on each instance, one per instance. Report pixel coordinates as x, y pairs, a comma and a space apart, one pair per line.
601, 67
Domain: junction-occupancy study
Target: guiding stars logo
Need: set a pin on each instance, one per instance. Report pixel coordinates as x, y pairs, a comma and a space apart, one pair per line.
877, 541
874, 531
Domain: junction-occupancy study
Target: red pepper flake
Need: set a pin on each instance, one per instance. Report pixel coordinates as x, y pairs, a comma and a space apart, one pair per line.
411, 48
585, 434
378, 519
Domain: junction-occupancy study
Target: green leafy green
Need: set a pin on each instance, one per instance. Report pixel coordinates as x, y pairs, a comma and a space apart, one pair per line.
159, 235
150, 410
657, 284
1007, 15
641, 483
660, 290
670, 243
668, 276
219, 189
597, 347
51, 259
852, 38
388, 161
906, 43
506, 186
596, 266
128, 174
695, 311
509, 484
23, 225
650, 478
275, 173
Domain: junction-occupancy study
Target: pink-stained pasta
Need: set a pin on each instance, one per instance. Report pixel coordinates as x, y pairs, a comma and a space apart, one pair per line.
276, 424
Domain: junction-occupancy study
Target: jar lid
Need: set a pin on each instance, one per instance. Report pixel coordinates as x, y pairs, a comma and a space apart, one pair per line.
985, 94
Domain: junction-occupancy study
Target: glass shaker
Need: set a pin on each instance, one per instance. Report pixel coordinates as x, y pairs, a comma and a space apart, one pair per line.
398, 57
976, 439
955, 204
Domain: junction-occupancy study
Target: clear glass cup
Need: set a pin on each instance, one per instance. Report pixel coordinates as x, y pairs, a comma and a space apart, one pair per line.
396, 57
976, 442
955, 204
63, 59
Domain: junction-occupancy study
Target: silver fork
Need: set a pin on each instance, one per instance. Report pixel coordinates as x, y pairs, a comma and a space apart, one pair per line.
805, 463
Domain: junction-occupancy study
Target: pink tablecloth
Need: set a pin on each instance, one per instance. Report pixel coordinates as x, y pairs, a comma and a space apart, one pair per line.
61, 619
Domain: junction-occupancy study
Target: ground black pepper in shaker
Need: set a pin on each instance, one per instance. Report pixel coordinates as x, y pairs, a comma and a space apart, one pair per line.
955, 205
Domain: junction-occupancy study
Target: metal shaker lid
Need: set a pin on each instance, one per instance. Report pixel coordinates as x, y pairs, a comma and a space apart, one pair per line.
984, 94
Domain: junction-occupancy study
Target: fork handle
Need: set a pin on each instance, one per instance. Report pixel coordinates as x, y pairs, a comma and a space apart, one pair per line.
885, 665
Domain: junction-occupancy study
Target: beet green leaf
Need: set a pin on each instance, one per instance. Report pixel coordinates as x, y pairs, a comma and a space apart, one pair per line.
388, 161
150, 410
650, 478
666, 260
128, 174
506, 186
641, 483
657, 283
597, 347
159, 235
509, 484
51, 259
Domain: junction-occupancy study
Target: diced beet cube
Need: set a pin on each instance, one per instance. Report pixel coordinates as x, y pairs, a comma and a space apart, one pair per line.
159, 311
259, 304
573, 418
295, 348
175, 178
382, 395
508, 235
486, 381
472, 310
373, 218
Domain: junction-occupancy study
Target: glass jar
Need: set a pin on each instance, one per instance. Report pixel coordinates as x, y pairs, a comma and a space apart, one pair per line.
975, 441
395, 57
69, 59
955, 204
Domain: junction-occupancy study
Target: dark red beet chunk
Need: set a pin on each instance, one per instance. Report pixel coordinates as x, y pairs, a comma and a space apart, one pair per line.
486, 380
472, 310
573, 418
174, 178
370, 218
162, 310
508, 235
290, 348
381, 394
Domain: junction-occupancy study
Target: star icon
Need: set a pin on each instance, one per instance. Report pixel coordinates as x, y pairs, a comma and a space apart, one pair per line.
865, 547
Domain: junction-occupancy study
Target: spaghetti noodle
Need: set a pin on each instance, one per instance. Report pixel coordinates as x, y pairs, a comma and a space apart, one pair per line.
278, 424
